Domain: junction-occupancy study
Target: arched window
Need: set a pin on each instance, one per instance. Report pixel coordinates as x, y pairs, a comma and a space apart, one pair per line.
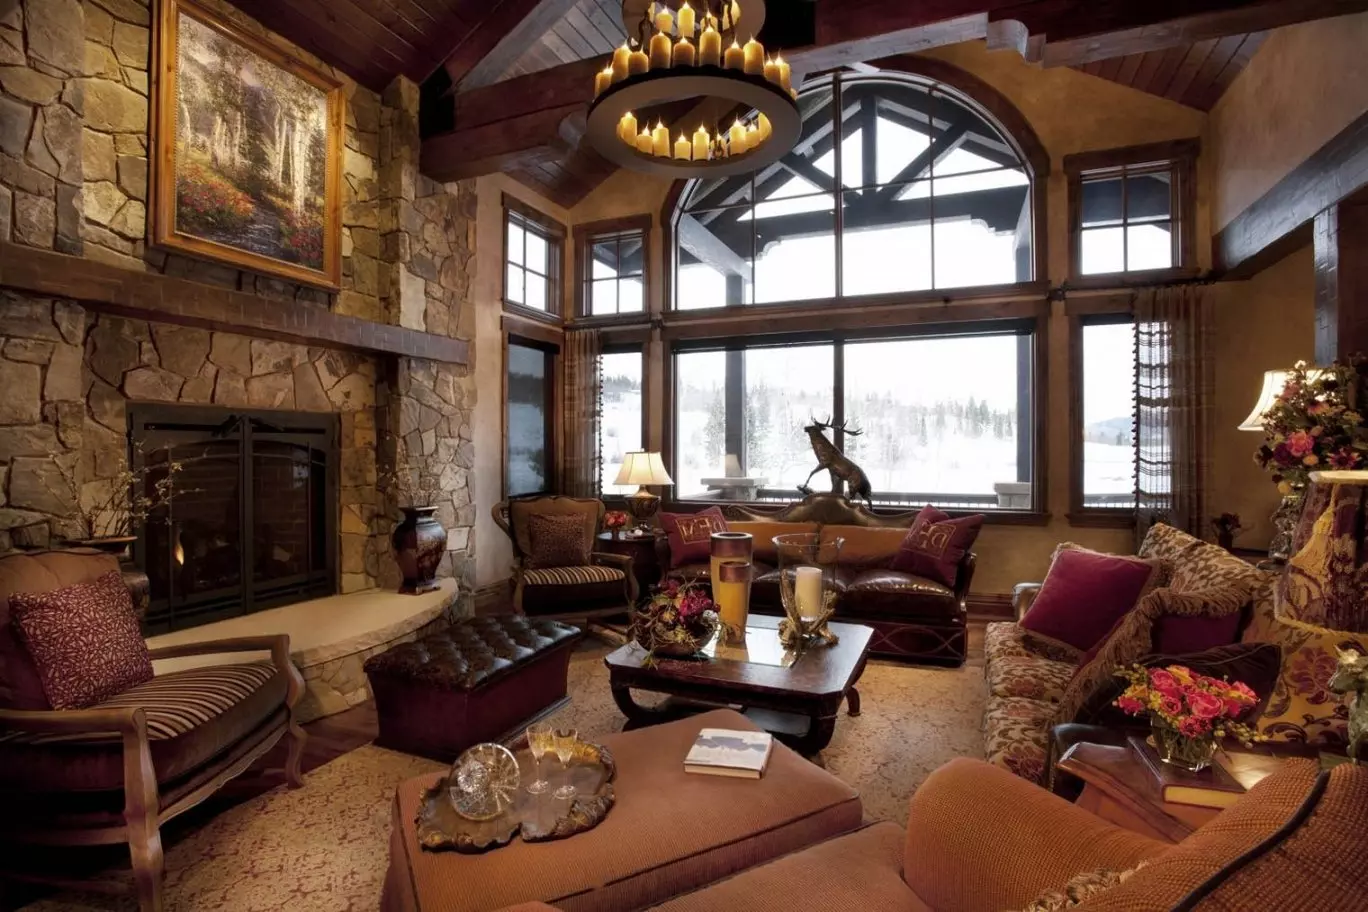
933, 194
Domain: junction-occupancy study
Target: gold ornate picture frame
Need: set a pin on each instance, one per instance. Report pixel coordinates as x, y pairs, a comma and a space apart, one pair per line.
246, 150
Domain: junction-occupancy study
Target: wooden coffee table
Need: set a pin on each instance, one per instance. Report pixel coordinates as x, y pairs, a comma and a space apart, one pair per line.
794, 695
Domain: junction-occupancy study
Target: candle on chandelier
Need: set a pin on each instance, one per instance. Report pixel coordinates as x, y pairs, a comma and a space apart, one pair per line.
685, 20
638, 62
735, 58
682, 150
660, 140
710, 47
771, 72
684, 52
660, 51
627, 128
736, 138
701, 143
643, 141
619, 64
762, 124
664, 22
602, 80
730, 13
785, 72
752, 136
753, 60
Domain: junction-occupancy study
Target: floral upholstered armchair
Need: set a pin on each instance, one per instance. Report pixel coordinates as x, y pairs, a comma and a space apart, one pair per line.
556, 571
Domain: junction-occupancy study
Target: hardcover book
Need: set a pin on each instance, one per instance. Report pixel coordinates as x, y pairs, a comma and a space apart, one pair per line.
1213, 787
722, 752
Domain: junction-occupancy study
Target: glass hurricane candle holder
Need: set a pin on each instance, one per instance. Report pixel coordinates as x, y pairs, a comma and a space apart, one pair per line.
730, 567
807, 586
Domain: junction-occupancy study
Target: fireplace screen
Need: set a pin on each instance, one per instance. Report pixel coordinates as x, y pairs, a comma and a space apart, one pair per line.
252, 520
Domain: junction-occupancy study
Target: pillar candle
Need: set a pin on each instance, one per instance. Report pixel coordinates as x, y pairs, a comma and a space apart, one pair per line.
752, 136
660, 51
771, 72
737, 138
602, 80
735, 58
701, 142
710, 47
627, 128
619, 65
753, 60
785, 72
682, 150
664, 22
807, 589
660, 140
644, 143
685, 20
638, 62
766, 128
684, 52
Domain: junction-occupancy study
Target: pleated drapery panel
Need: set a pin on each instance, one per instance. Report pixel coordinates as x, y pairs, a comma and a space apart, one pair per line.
580, 469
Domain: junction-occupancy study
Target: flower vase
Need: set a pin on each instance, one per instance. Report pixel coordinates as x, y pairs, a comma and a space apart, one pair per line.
1177, 749
419, 544
731, 581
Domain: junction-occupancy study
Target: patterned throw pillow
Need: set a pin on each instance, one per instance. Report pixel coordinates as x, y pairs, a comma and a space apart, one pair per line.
1302, 709
690, 534
1079, 889
84, 640
936, 544
558, 541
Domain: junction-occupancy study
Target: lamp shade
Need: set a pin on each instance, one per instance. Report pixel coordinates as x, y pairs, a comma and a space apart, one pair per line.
1274, 382
1325, 584
643, 469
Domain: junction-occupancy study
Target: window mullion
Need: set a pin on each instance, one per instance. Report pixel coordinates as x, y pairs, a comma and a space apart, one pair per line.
838, 190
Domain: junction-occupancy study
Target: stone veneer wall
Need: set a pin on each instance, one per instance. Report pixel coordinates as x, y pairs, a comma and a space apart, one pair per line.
74, 121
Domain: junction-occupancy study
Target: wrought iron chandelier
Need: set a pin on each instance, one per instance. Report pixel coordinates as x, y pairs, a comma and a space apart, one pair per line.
694, 52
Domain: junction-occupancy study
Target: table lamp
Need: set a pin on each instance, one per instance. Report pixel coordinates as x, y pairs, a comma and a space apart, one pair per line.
642, 469
1274, 382
1324, 587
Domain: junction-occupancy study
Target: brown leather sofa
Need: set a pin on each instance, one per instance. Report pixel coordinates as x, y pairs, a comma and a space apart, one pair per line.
117, 771
915, 619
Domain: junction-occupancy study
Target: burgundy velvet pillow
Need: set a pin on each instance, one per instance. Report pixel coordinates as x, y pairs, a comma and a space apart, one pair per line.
84, 640
690, 534
936, 544
1086, 593
1174, 635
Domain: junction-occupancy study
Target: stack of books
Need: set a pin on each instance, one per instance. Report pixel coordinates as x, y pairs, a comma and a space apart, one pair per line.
722, 752
1214, 787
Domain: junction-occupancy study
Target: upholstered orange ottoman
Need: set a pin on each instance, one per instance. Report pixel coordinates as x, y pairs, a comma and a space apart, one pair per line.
670, 832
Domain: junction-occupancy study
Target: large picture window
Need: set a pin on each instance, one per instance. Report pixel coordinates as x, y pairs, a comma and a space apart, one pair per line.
943, 417
530, 403
1104, 366
911, 188
620, 423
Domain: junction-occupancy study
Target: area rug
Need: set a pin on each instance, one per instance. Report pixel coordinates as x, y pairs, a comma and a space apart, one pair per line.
324, 848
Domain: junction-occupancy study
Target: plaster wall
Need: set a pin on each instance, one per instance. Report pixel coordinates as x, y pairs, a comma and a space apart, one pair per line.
1304, 85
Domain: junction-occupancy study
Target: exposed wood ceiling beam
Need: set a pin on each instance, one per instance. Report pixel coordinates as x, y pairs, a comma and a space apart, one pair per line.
709, 248
510, 29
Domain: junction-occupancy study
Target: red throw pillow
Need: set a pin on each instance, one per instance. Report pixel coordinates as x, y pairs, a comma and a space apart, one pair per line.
690, 534
84, 640
936, 544
1178, 635
1086, 593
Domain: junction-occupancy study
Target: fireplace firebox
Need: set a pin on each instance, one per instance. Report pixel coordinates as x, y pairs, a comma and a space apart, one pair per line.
252, 522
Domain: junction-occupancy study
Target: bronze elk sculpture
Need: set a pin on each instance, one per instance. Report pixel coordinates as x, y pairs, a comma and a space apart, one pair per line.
834, 461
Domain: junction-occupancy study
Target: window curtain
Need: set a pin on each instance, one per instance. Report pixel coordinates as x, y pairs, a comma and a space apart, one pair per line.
580, 469
1173, 415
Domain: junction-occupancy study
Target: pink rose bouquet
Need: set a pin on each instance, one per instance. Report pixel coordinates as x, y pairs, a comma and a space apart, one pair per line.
1189, 712
1314, 423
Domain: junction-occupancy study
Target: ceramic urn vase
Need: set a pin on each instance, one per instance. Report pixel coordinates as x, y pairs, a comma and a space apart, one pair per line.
419, 543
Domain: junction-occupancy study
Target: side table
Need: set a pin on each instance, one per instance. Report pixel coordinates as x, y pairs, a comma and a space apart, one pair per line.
642, 551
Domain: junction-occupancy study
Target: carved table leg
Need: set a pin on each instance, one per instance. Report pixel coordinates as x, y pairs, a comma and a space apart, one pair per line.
818, 735
852, 701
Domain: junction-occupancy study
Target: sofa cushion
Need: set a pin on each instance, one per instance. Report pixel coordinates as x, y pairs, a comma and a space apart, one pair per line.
861, 870
936, 544
84, 640
192, 716
1302, 709
765, 586
558, 541
1028, 676
1007, 639
1016, 735
690, 534
866, 546
1085, 593
669, 832
1180, 635
893, 594
572, 576
762, 533
20, 685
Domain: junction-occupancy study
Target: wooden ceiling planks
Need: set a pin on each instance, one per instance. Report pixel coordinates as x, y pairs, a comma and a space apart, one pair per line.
1195, 74
591, 28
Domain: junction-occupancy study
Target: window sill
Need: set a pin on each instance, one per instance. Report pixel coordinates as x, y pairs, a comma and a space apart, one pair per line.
1139, 279
632, 318
992, 517
1102, 519
532, 313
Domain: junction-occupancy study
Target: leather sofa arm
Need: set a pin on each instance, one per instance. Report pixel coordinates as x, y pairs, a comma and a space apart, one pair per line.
1023, 597
976, 840
964, 577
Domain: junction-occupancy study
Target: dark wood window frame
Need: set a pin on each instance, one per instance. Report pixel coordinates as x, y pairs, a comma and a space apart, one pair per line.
554, 380
1032, 325
554, 233
1180, 157
1082, 313
584, 237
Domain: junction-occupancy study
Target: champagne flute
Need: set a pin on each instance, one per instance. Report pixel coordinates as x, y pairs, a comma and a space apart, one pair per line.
539, 740
565, 740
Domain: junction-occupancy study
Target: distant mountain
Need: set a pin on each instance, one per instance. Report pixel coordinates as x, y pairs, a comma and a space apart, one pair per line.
1116, 431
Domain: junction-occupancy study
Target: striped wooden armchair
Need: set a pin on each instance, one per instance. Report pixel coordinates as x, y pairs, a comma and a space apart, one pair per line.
604, 586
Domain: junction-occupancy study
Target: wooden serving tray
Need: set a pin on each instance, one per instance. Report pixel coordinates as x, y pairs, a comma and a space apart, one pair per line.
538, 818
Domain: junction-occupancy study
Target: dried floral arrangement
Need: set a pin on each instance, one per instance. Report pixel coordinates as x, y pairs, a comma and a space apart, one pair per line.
677, 620
404, 485
123, 503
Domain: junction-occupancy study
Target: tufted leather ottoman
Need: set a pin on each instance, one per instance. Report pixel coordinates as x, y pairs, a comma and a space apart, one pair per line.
481, 679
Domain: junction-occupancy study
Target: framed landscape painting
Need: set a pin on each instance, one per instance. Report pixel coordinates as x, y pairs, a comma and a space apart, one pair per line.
247, 151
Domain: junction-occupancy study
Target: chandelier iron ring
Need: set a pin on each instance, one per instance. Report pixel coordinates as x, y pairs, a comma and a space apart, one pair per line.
657, 87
